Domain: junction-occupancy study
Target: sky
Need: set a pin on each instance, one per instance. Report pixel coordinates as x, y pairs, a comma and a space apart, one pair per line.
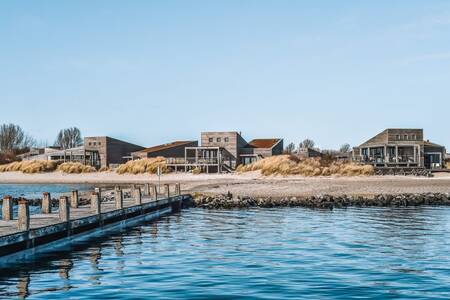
151, 72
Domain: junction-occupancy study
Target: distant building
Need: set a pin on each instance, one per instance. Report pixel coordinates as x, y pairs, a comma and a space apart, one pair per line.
223, 151
260, 148
306, 152
400, 148
110, 151
174, 152
96, 151
37, 153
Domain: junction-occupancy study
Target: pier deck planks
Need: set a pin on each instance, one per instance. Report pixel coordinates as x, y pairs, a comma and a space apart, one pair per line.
41, 220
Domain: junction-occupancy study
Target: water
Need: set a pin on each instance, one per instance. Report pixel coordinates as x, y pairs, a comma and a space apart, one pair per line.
283, 253
33, 191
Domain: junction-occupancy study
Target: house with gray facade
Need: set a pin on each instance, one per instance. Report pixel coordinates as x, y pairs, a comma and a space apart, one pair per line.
400, 148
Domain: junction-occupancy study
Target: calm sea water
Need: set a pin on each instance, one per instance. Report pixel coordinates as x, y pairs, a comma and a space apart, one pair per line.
285, 253
35, 190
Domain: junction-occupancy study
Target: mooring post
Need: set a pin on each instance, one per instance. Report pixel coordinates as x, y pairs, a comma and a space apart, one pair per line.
99, 191
178, 189
74, 199
137, 195
147, 189
64, 209
7, 208
167, 190
23, 218
155, 191
118, 197
46, 206
95, 203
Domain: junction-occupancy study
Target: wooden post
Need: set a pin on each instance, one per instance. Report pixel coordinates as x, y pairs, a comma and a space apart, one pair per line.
99, 191
46, 205
23, 218
95, 203
118, 197
64, 209
155, 192
137, 195
74, 199
147, 189
7, 208
167, 190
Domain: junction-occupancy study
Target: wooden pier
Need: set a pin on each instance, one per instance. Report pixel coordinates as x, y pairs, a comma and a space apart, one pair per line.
29, 234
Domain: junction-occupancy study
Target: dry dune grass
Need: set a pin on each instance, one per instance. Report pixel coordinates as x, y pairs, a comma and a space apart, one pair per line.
144, 165
30, 166
75, 168
291, 165
105, 169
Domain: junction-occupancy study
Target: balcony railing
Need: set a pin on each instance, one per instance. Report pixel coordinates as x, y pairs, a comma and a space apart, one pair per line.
379, 159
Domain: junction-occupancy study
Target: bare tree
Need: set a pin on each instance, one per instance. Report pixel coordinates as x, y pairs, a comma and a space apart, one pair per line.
307, 143
69, 138
289, 148
14, 140
345, 148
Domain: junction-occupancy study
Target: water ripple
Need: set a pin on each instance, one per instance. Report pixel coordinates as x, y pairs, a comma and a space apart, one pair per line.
279, 253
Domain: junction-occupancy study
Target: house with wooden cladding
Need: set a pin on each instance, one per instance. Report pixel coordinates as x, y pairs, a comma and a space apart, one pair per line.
400, 148
223, 151
109, 152
174, 152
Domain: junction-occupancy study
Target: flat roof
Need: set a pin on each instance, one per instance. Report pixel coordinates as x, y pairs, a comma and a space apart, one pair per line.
165, 146
263, 143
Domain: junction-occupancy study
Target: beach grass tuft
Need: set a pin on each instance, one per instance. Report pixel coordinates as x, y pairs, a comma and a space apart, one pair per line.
144, 165
30, 166
292, 165
75, 168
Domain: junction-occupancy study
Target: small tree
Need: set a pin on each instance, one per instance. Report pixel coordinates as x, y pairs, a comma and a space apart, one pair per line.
69, 138
307, 143
14, 140
289, 148
345, 148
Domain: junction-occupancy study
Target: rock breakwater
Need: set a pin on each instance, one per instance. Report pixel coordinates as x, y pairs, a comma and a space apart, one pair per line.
227, 201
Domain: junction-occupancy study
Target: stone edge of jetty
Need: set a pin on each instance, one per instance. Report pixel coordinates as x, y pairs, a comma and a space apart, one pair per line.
227, 201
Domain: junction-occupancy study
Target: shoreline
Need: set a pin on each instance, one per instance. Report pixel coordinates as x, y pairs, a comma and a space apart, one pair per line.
252, 184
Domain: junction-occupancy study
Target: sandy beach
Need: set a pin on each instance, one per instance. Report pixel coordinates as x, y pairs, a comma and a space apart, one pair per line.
253, 184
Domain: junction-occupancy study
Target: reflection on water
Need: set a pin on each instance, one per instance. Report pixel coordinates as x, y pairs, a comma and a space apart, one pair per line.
253, 254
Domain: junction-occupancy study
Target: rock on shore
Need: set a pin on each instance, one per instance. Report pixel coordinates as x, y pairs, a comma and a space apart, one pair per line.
322, 201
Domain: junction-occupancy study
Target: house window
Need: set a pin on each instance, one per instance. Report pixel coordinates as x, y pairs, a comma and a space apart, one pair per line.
211, 140
99, 143
95, 143
226, 140
89, 143
219, 140
406, 137
414, 137
398, 137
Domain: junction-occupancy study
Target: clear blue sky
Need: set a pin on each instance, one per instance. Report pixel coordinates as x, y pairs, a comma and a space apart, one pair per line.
154, 71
